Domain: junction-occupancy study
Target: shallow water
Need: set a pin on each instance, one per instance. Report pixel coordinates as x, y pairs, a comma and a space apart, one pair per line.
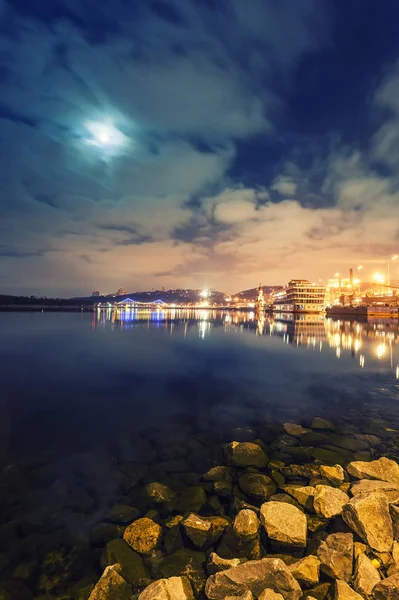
85, 396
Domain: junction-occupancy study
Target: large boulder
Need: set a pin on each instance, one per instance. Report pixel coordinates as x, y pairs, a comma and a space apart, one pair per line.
366, 575
369, 517
246, 525
343, 591
255, 576
245, 454
306, 571
257, 485
143, 535
329, 501
178, 588
284, 523
383, 469
111, 586
387, 589
336, 556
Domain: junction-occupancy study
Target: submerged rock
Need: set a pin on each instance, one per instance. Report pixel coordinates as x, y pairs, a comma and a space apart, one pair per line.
220, 473
369, 517
178, 588
143, 535
111, 586
329, 501
245, 454
284, 523
133, 569
257, 485
383, 469
295, 430
320, 423
254, 576
336, 556
192, 499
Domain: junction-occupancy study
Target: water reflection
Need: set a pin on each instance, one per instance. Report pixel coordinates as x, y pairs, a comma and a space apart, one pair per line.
371, 343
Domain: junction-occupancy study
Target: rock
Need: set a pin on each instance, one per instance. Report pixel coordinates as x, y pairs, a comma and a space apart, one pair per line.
369, 517
383, 469
216, 563
185, 563
111, 586
192, 499
359, 548
301, 471
133, 569
303, 453
372, 440
287, 499
105, 532
316, 523
197, 529
348, 443
161, 494
222, 488
343, 591
270, 594
334, 474
295, 430
368, 486
176, 588
245, 454
306, 571
245, 596
387, 589
328, 456
173, 539
246, 525
394, 568
302, 493
318, 592
366, 576
257, 485
329, 501
320, 423
122, 513
394, 510
219, 473
284, 523
143, 535
336, 556
254, 576
284, 441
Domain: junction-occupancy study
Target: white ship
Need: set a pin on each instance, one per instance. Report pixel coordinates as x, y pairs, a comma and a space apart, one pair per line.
300, 296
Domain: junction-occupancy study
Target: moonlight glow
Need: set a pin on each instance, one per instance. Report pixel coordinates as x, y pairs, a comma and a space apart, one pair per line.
105, 135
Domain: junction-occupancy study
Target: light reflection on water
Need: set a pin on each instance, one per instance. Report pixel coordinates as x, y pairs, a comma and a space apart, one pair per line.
371, 344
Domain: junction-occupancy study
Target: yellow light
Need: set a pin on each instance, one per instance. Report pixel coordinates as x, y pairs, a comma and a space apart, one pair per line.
336, 275
381, 348
394, 257
205, 294
360, 267
356, 281
378, 278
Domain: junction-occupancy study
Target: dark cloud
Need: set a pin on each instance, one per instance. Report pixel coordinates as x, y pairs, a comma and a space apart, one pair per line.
226, 146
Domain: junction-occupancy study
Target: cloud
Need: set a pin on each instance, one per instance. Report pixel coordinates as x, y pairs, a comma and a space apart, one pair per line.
285, 186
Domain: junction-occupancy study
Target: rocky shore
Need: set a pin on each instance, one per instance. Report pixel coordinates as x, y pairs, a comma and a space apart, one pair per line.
271, 511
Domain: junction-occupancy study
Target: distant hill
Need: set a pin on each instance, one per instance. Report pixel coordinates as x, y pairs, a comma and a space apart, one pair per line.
179, 296
252, 293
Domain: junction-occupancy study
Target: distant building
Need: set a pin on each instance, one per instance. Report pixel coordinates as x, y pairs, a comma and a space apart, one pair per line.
300, 296
95, 293
121, 292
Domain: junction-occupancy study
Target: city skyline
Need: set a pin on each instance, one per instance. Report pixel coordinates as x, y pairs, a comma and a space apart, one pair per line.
196, 144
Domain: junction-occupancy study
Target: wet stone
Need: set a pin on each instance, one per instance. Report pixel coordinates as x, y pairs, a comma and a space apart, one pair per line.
320, 423
192, 499
257, 486
245, 454
370, 518
159, 493
105, 532
143, 535
306, 571
122, 514
255, 576
133, 569
284, 523
220, 473
185, 563
295, 430
336, 556
328, 501
111, 586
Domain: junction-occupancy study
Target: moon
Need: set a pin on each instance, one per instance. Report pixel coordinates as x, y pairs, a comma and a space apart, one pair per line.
104, 135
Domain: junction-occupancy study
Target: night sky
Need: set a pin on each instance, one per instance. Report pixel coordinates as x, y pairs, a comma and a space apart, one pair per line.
191, 143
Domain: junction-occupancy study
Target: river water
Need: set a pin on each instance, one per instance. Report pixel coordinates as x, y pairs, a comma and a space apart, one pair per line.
92, 404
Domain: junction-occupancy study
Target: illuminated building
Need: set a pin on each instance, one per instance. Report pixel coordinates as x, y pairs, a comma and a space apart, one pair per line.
121, 292
300, 296
95, 293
